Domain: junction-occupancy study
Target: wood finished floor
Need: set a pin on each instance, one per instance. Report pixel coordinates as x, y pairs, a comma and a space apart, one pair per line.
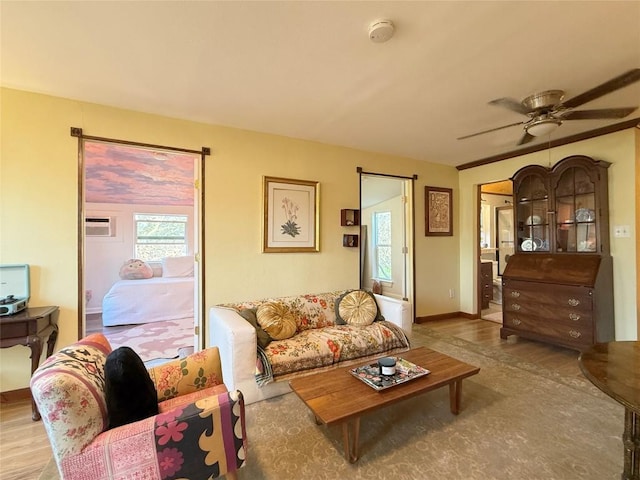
24, 447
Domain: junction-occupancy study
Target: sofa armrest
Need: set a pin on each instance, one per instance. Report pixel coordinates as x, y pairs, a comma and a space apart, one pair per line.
396, 311
203, 439
237, 342
179, 377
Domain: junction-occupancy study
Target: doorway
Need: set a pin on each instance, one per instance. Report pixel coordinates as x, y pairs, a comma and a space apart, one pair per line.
141, 202
387, 233
495, 237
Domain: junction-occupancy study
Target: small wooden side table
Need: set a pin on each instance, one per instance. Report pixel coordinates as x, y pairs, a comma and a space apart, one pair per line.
30, 328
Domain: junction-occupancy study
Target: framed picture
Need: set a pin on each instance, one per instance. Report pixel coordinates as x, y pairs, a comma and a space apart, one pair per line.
438, 212
290, 215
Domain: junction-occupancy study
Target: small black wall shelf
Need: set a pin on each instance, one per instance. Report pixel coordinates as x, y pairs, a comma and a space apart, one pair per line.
349, 217
349, 240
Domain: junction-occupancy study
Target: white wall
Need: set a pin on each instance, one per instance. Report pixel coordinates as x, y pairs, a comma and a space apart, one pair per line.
105, 255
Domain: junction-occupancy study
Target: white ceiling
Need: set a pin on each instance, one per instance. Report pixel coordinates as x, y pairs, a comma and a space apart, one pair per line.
308, 70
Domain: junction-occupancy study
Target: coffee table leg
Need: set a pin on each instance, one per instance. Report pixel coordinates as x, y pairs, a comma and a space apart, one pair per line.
350, 434
455, 393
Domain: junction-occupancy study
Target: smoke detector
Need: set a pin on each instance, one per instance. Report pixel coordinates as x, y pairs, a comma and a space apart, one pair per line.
380, 31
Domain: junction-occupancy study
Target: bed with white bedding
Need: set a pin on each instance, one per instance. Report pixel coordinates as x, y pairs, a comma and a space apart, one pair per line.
132, 302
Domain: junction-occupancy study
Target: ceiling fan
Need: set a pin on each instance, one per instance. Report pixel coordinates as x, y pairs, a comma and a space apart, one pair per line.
547, 111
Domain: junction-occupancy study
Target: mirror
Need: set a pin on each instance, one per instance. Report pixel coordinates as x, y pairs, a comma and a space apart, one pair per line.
385, 233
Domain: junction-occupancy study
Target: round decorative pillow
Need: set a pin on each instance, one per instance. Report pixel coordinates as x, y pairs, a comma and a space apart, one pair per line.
277, 320
135, 269
358, 308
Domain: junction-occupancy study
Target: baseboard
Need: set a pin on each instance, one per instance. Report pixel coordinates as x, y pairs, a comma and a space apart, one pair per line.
13, 396
445, 316
93, 310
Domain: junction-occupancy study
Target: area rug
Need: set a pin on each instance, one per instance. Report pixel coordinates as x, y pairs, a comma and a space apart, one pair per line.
156, 340
517, 420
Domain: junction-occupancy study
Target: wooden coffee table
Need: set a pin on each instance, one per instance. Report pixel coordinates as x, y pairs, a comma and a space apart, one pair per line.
336, 396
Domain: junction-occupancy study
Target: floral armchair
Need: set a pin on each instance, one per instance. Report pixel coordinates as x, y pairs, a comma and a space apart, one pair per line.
199, 432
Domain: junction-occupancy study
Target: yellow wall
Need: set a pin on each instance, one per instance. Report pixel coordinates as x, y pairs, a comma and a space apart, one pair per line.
39, 208
618, 148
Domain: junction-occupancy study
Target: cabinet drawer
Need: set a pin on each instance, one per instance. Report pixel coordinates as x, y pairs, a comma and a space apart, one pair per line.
575, 333
568, 315
534, 293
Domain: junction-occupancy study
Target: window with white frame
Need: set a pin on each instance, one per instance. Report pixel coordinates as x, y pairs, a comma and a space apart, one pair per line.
382, 245
160, 235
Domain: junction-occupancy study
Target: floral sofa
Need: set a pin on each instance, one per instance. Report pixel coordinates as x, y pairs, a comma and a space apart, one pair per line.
199, 431
319, 342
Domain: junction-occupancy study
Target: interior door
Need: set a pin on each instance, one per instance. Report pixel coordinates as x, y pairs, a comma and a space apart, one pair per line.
198, 270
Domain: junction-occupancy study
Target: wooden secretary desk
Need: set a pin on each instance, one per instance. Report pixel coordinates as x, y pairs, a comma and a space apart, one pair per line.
558, 286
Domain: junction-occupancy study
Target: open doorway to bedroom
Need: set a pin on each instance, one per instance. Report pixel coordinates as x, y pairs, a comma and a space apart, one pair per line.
140, 240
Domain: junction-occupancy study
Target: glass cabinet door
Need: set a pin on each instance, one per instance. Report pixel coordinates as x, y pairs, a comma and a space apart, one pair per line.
575, 207
562, 209
532, 214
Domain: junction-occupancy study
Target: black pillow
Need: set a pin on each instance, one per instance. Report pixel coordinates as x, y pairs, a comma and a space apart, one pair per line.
131, 395
249, 314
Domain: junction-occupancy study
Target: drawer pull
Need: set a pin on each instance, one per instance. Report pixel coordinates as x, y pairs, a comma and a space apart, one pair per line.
575, 334
515, 294
574, 316
574, 302
515, 306
516, 321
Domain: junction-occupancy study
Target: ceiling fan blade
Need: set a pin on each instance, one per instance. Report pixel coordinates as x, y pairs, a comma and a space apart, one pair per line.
607, 87
510, 104
602, 113
490, 130
526, 138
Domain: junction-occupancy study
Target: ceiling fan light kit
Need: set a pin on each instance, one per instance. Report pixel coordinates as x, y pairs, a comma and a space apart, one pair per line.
547, 111
542, 125
381, 31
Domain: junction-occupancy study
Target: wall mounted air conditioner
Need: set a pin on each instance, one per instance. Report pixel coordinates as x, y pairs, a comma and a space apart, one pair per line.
98, 226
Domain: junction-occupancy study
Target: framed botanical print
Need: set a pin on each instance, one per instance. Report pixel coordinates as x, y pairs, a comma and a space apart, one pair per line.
290, 215
438, 211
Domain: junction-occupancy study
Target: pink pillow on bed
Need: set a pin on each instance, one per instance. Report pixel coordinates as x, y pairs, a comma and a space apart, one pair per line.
135, 269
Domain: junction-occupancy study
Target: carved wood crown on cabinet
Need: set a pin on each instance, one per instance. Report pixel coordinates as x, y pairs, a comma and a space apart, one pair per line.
558, 287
